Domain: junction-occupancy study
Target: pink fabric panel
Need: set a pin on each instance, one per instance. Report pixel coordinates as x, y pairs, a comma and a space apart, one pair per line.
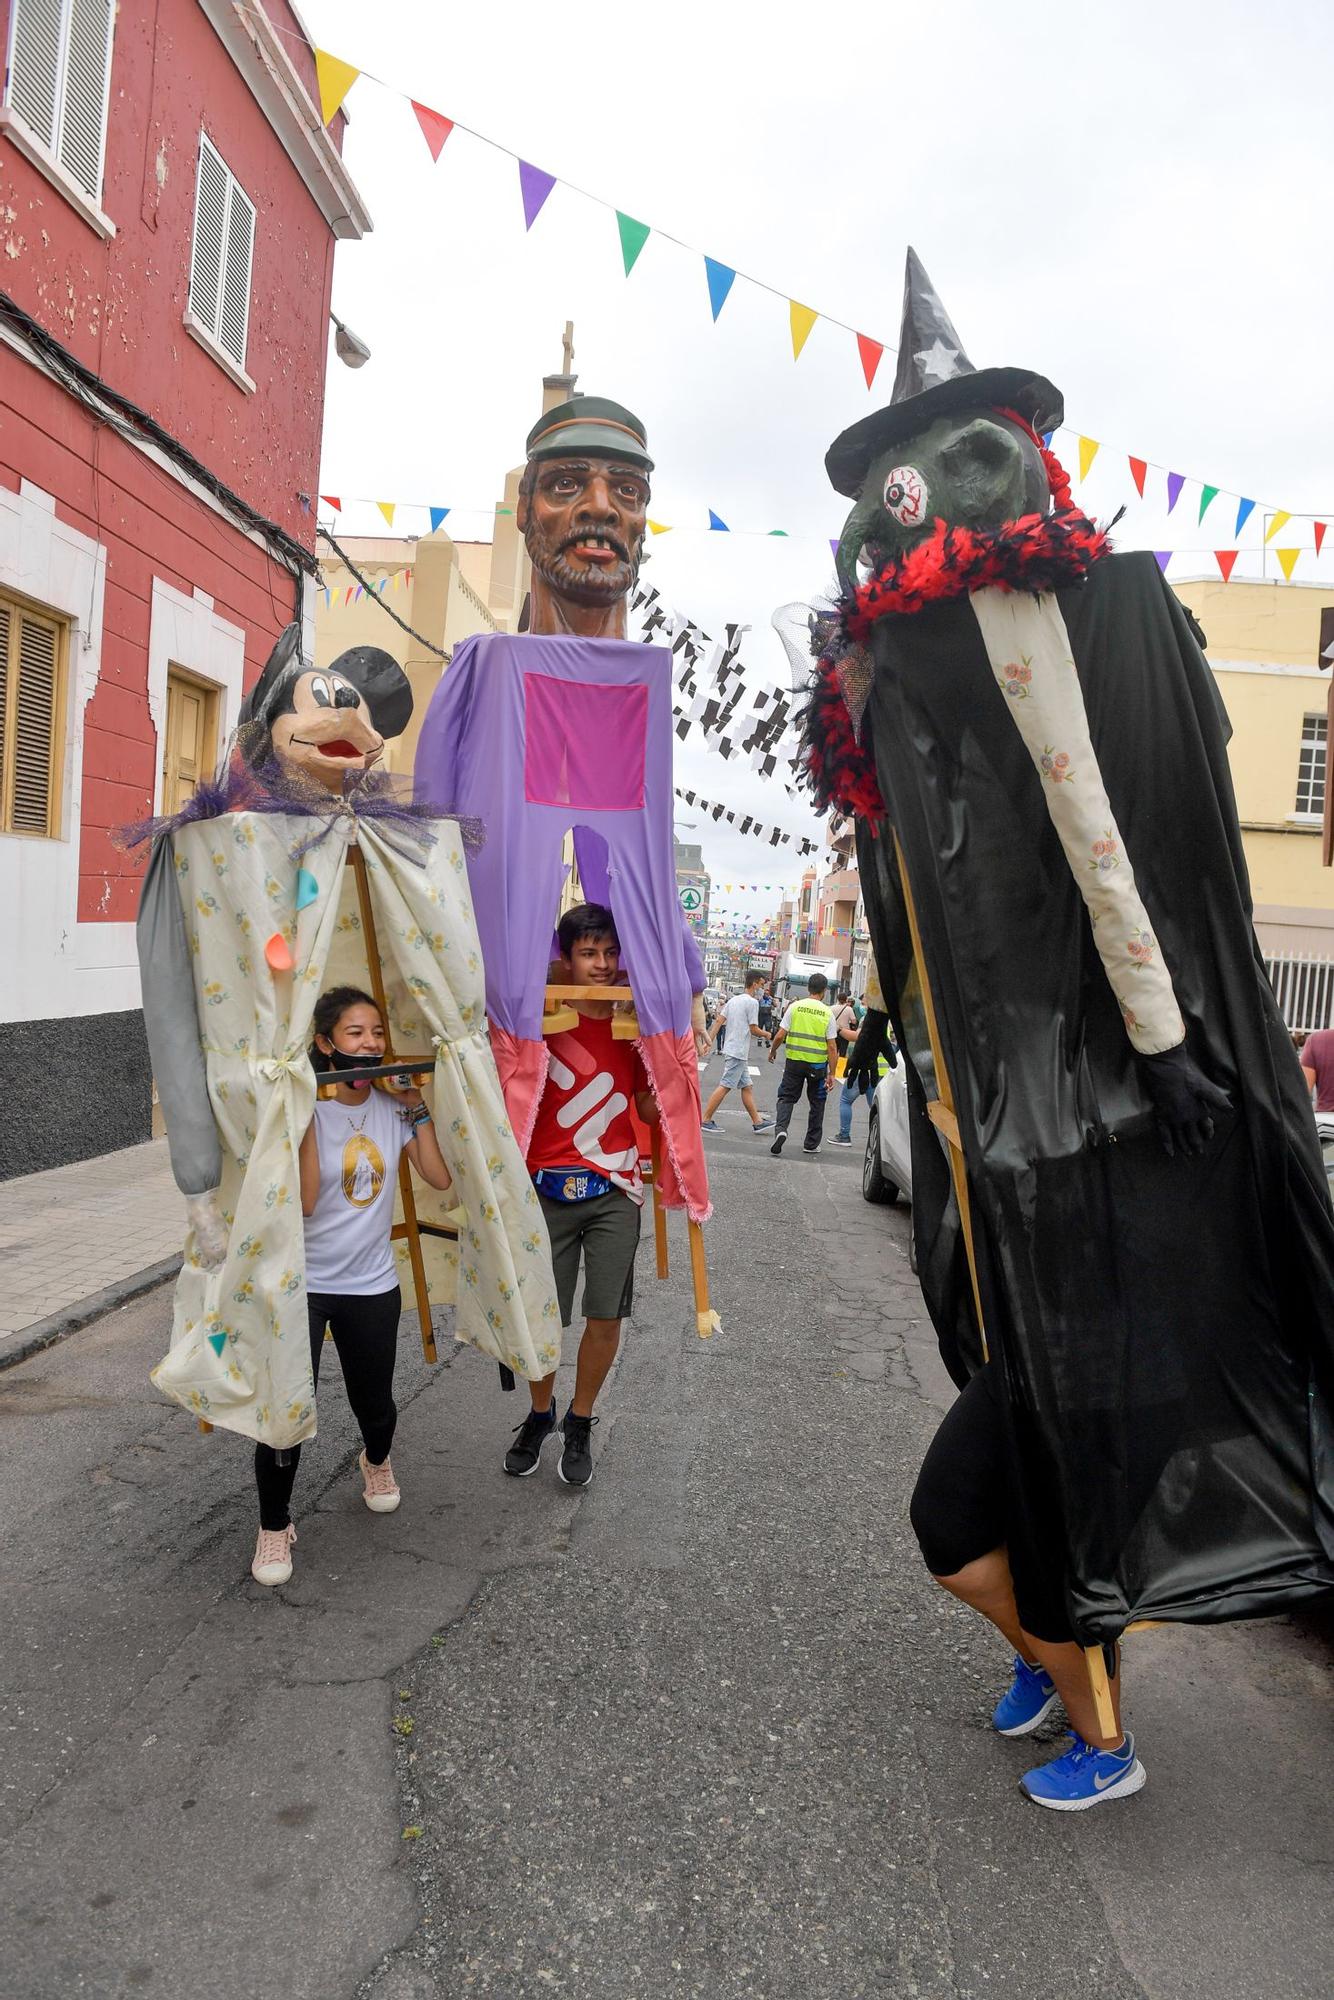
674, 1076
522, 1068
584, 744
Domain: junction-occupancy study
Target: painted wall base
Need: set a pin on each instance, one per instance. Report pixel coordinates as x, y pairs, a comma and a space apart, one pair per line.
72, 1089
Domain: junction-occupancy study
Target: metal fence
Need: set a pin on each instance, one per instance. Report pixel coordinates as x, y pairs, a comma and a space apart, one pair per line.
1304, 989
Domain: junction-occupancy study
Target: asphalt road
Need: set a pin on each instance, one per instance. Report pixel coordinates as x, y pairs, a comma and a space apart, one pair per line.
705, 1729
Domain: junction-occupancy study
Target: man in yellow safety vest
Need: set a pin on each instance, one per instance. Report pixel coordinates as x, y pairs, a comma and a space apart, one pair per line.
808, 1036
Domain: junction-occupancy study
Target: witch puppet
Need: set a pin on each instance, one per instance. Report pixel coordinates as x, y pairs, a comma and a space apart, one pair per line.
303, 868
568, 726
1119, 1199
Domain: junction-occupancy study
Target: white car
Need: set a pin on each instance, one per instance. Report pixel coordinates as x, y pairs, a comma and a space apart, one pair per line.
887, 1167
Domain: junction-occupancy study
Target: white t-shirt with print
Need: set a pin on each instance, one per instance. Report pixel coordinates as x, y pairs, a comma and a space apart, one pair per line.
348, 1249
742, 1011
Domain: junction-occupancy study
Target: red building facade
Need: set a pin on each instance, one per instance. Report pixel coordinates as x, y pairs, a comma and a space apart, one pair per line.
169, 207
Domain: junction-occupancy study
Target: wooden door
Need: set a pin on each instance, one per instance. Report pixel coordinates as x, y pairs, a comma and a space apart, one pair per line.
190, 745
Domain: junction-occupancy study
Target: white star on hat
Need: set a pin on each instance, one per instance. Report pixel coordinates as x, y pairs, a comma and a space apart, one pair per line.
935, 361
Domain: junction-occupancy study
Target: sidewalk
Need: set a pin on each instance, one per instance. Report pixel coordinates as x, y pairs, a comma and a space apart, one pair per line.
78, 1241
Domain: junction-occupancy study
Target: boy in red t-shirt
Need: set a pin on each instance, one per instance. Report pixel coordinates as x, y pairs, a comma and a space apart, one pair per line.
584, 1160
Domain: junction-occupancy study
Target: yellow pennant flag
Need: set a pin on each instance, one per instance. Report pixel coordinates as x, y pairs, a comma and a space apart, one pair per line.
335, 79
1287, 561
387, 507
803, 319
659, 528
1280, 520
1088, 451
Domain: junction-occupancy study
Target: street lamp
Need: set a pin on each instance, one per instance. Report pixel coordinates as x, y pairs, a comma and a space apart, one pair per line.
350, 347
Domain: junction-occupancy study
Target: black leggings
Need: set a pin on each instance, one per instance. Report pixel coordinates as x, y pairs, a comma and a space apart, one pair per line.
365, 1332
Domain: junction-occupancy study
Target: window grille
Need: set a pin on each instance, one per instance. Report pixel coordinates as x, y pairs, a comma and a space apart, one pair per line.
30, 660
220, 262
1311, 765
59, 80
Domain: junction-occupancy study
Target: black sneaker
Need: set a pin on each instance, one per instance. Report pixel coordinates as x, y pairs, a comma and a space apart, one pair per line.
576, 1461
779, 1143
525, 1454
813, 1149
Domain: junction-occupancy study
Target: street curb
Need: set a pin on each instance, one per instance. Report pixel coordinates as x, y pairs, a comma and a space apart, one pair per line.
30, 1340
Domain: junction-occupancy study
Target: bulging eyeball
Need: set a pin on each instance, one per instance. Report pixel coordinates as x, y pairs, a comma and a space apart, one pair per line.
906, 496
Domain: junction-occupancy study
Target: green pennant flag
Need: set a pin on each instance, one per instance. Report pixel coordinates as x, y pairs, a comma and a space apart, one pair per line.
634, 235
1207, 493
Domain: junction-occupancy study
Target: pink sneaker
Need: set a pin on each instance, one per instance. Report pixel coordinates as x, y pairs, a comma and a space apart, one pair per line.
273, 1555
379, 1486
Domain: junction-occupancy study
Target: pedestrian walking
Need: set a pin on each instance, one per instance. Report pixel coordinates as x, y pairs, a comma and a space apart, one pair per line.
348, 1164
584, 1159
808, 1034
737, 1026
862, 1071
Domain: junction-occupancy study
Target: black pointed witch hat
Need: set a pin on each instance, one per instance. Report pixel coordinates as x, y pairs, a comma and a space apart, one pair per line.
934, 377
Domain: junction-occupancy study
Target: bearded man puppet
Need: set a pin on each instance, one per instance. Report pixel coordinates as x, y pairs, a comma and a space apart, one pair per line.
1029, 737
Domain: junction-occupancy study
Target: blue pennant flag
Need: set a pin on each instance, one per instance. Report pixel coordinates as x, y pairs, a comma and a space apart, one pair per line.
716, 521
1244, 512
720, 277
437, 516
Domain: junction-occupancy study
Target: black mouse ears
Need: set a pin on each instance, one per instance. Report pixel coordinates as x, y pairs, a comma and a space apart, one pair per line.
375, 674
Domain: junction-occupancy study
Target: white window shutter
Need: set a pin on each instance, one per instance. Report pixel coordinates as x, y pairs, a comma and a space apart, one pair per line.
234, 308
83, 126
206, 259
36, 39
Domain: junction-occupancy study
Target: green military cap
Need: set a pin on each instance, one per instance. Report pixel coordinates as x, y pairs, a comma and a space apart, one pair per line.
591, 424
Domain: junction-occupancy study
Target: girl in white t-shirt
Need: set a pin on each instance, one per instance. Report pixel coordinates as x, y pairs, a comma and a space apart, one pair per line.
349, 1170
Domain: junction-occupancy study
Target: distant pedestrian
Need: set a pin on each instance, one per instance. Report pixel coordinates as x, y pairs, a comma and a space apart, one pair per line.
738, 1026
809, 1036
348, 1163
1316, 1056
862, 1071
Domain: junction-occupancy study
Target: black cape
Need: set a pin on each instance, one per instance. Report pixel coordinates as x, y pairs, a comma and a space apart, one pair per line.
1164, 1327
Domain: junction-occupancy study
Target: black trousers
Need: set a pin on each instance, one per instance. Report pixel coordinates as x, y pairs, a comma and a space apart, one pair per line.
365, 1332
815, 1082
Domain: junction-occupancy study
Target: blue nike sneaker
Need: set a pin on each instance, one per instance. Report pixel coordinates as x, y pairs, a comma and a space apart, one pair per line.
1084, 1777
1028, 1701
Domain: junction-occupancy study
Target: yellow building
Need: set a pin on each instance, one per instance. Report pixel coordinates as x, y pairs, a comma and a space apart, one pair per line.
1263, 643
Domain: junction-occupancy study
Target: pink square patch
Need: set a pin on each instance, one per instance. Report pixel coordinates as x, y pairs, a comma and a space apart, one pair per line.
584, 744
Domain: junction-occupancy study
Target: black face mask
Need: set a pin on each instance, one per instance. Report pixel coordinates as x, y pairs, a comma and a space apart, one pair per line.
339, 1059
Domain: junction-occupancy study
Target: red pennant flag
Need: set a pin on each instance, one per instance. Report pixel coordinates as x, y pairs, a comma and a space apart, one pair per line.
1319, 536
1225, 558
1138, 468
435, 128
870, 352
330, 501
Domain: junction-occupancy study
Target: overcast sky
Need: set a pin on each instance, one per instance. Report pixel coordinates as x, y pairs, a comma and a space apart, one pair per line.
1131, 200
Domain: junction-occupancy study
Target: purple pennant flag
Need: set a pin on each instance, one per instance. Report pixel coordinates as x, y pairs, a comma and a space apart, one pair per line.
1162, 557
534, 186
1175, 482
833, 547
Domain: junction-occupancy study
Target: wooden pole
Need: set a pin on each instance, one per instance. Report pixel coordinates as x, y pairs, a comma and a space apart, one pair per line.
705, 1318
357, 862
659, 1211
1100, 1688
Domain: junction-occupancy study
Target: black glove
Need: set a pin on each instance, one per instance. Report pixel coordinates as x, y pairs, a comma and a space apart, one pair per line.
872, 1043
1184, 1100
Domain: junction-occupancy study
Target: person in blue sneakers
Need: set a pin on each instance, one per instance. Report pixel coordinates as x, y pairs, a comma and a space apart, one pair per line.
966, 1496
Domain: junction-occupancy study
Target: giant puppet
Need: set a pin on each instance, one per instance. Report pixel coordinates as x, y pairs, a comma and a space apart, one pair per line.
303, 867
1117, 1187
568, 725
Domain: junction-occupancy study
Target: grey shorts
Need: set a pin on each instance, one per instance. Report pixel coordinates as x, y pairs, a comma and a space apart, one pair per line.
607, 1230
736, 1072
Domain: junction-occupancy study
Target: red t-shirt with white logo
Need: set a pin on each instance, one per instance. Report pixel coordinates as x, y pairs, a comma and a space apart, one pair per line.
584, 1119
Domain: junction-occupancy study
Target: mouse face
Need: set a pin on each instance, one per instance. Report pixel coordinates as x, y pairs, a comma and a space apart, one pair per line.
972, 469
325, 729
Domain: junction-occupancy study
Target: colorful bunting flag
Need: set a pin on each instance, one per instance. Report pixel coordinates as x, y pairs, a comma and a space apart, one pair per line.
721, 278
1175, 482
1287, 562
1162, 557
387, 507
716, 521
437, 516
1226, 560
1244, 512
634, 235
833, 547
1047, 437
1319, 536
335, 79
659, 528
1280, 520
870, 352
1138, 468
802, 320
435, 128
778, 531
534, 186
1088, 451
1207, 493
330, 501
